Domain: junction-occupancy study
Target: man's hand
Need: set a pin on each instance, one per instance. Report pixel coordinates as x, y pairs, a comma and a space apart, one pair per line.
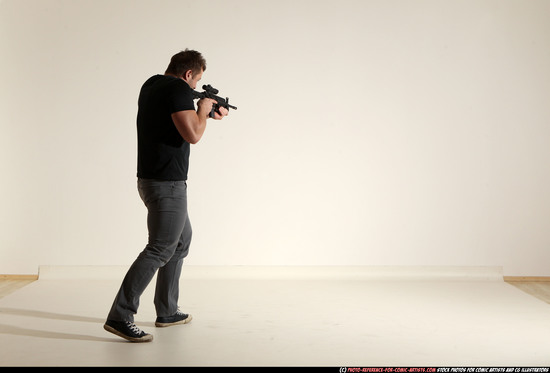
222, 112
205, 107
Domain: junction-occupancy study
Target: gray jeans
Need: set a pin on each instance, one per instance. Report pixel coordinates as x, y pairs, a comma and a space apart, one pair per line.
169, 240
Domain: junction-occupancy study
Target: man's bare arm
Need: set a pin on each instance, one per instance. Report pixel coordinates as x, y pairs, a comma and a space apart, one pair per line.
191, 124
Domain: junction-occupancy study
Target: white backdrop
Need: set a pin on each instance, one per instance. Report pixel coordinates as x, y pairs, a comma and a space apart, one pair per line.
369, 132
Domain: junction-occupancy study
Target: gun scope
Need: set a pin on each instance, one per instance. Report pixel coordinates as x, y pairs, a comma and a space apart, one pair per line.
208, 88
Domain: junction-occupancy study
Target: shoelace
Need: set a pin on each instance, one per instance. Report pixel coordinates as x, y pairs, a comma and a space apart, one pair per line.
133, 327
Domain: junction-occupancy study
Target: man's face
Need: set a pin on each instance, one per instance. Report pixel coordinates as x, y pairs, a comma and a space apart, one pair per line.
193, 79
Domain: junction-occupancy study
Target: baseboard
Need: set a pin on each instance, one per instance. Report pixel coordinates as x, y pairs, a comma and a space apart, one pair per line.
505, 278
120, 271
415, 273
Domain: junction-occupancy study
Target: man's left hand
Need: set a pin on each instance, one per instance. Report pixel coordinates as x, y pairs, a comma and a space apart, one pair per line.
220, 113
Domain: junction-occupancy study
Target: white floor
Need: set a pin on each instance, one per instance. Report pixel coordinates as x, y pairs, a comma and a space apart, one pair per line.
300, 316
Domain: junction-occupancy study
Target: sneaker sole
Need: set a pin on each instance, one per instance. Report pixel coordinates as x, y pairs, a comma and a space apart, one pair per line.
165, 324
145, 338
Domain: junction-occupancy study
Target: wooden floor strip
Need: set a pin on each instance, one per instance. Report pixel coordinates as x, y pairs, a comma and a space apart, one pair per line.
19, 277
526, 279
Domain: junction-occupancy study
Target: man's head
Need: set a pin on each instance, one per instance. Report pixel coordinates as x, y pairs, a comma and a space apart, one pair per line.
187, 65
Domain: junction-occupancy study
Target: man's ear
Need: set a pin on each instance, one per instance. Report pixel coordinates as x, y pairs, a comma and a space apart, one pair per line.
188, 75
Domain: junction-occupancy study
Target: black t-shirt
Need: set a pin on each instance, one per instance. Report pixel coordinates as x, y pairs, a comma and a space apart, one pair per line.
162, 153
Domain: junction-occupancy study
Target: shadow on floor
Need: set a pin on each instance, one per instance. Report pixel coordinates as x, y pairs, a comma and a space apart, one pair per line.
17, 330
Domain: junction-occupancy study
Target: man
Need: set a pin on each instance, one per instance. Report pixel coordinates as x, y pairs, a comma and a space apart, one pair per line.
167, 123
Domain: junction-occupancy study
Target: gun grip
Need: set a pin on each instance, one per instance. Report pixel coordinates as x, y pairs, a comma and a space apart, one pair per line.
215, 109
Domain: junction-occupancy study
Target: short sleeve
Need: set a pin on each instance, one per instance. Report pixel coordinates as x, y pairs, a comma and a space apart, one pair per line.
181, 97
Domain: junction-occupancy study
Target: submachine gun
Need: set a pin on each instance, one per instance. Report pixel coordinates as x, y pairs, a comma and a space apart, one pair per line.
211, 92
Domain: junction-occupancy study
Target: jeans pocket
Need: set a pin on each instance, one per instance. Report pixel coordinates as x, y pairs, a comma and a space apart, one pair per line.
151, 190
179, 189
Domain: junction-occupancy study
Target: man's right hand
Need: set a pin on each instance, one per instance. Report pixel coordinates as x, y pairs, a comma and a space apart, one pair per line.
205, 107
